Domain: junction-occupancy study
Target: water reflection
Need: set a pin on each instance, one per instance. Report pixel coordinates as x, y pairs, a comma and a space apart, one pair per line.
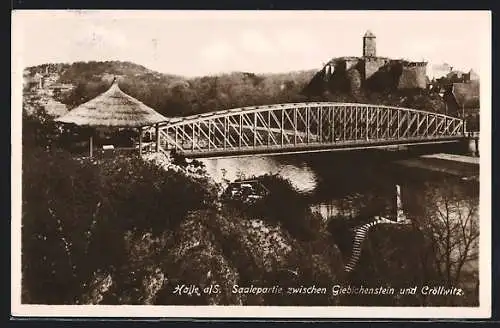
337, 184
302, 177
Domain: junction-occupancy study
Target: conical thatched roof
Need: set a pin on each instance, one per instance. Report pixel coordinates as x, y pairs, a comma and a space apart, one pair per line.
113, 108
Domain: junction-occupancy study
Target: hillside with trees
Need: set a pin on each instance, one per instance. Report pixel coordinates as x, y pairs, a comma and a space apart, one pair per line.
175, 95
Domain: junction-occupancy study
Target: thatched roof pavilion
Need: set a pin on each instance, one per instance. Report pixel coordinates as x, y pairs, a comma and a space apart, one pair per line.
114, 108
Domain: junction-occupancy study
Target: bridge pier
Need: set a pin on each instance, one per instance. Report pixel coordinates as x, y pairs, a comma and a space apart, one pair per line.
400, 214
471, 143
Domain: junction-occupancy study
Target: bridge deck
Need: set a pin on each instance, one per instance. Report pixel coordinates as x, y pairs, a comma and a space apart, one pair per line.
316, 147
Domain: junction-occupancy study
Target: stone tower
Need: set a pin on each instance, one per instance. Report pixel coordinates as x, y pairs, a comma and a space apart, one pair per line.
369, 45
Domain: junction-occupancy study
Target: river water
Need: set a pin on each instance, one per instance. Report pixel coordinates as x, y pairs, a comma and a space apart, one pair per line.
344, 183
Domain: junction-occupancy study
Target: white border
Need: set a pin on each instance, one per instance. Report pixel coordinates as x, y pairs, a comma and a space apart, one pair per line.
22, 310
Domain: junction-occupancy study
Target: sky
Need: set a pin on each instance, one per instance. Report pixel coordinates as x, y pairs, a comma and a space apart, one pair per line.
197, 43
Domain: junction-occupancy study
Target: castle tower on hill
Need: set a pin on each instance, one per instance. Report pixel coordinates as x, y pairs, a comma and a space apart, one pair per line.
369, 44
369, 71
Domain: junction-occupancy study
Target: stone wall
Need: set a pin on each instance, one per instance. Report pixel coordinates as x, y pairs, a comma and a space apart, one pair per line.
413, 76
375, 73
350, 63
354, 78
372, 65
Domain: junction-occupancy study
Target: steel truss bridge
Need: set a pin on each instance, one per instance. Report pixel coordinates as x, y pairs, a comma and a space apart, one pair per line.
305, 127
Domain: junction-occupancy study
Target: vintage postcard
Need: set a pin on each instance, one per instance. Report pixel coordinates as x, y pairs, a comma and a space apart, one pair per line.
277, 164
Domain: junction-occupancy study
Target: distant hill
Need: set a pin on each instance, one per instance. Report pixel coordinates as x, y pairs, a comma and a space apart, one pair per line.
173, 95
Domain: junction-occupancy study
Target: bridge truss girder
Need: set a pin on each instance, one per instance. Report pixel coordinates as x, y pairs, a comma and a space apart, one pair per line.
304, 125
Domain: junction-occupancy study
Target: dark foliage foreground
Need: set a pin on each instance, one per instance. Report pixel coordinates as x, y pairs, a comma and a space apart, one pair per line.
124, 231
76, 214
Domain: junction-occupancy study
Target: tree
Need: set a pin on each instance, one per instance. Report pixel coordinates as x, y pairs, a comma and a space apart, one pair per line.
439, 248
450, 225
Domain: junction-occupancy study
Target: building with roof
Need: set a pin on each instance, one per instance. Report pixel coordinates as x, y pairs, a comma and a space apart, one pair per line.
349, 73
53, 107
472, 75
57, 88
462, 99
456, 76
114, 109
437, 71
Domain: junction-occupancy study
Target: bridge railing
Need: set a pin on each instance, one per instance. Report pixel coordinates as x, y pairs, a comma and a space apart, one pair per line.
296, 125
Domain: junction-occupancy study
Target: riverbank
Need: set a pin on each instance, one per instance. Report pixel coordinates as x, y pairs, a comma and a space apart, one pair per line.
466, 167
455, 158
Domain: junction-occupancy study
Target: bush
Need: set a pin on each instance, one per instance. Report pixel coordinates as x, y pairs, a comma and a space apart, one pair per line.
145, 197
40, 130
285, 205
59, 205
76, 215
